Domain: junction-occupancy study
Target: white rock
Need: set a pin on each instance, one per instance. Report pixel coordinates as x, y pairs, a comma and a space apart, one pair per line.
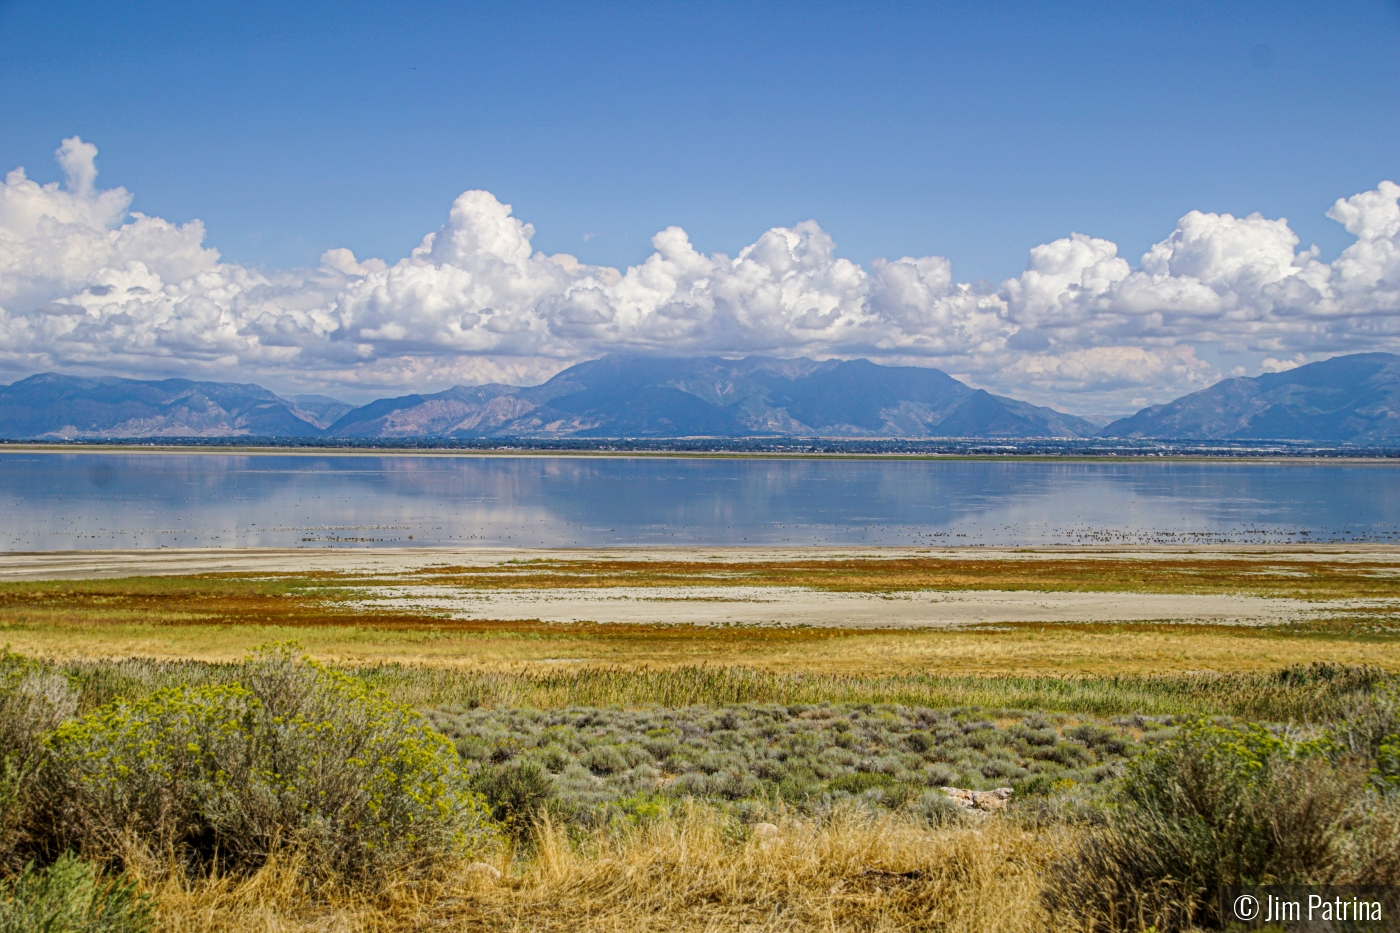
979, 799
764, 831
484, 872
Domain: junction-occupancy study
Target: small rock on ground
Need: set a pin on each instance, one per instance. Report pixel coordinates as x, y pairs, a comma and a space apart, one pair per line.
764, 831
979, 799
483, 871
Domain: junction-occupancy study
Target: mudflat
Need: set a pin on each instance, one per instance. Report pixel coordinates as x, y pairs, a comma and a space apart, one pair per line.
767, 586
89, 564
785, 606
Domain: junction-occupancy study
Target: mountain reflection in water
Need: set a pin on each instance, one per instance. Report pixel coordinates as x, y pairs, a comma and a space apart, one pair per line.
93, 500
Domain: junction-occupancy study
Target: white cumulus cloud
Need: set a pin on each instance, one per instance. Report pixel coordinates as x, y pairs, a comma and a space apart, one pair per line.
1102, 369
88, 285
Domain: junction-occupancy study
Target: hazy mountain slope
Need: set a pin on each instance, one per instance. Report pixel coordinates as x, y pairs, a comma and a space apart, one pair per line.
1345, 399
465, 408
620, 396
629, 396
323, 409
53, 405
861, 396
858, 398
982, 414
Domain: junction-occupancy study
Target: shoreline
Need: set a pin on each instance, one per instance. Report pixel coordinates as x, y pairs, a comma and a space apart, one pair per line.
1381, 458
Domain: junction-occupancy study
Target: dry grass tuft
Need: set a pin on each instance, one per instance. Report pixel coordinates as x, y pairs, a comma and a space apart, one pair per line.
697, 872
279, 898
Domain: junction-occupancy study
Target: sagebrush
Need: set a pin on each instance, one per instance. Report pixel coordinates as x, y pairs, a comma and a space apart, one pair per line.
70, 896
598, 764
1227, 805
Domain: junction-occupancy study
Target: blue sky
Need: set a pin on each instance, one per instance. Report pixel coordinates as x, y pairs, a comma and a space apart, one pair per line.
973, 131
970, 131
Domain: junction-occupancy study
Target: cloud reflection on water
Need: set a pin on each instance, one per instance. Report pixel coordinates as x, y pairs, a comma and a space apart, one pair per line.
83, 501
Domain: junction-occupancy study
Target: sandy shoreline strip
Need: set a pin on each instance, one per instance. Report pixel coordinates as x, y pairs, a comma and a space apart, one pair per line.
797, 606
77, 565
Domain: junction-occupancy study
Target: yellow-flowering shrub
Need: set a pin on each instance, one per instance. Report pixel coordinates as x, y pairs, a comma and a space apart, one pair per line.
295, 755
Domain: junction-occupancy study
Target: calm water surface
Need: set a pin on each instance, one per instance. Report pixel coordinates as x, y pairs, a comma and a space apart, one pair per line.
76, 501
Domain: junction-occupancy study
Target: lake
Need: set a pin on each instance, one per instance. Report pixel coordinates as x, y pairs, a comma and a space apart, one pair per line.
63, 501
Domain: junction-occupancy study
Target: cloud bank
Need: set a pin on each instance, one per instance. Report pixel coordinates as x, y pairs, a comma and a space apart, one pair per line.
87, 285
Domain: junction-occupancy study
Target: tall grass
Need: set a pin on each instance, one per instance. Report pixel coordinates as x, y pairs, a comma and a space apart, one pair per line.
697, 872
1306, 693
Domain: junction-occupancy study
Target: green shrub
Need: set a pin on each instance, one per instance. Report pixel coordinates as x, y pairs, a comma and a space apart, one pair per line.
554, 757
1222, 805
298, 756
1104, 741
517, 792
1371, 728
473, 747
604, 759
505, 749
938, 809
1039, 785
70, 897
732, 784
1387, 771
859, 782
1068, 754
1044, 735
33, 701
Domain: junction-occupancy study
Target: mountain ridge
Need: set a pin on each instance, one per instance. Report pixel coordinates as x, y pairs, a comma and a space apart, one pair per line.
615, 396
54, 405
628, 396
1353, 398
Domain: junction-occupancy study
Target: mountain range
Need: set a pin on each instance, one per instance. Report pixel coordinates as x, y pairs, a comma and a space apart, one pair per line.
617, 396
621, 396
1346, 399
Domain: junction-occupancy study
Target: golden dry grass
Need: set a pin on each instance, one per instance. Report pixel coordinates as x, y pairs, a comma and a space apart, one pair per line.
688, 874
1093, 649
1294, 574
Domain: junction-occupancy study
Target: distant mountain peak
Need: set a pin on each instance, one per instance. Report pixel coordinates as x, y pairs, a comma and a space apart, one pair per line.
59, 406
1345, 399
